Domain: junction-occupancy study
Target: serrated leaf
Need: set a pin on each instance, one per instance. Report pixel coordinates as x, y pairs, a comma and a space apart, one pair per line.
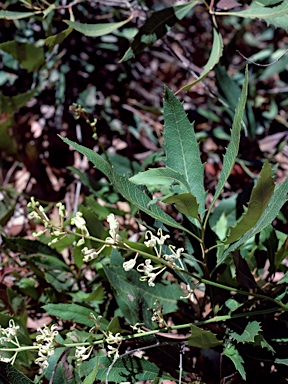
28, 56
259, 200
135, 297
233, 147
70, 312
96, 30
182, 149
8, 15
214, 57
185, 203
156, 26
275, 204
233, 354
127, 189
251, 330
273, 13
202, 339
10, 375
160, 176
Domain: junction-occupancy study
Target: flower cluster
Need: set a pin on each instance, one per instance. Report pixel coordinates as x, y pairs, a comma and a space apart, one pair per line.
113, 339
112, 240
9, 335
46, 344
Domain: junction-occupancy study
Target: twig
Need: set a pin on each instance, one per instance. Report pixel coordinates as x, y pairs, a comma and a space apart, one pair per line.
262, 65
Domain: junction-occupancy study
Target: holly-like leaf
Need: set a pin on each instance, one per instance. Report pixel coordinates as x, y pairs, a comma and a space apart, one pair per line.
156, 26
96, 30
182, 149
128, 190
251, 330
216, 53
259, 200
233, 354
202, 339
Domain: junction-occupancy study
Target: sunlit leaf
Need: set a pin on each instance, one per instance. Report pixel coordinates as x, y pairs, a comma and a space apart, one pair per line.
9, 15
182, 149
95, 30
70, 312
59, 38
160, 176
128, 190
216, 53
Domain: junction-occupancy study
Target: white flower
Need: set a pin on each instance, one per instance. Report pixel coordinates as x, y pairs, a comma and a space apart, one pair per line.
89, 254
148, 269
154, 241
114, 229
130, 264
46, 344
83, 353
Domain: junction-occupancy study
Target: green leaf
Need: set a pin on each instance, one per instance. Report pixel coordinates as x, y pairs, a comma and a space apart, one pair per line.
90, 379
231, 352
8, 15
232, 149
10, 104
95, 30
259, 200
70, 312
127, 189
59, 37
274, 13
28, 55
250, 332
135, 297
267, 217
128, 369
243, 273
281, 361
156, 26
281, 253
10, 375
216, 53
182, 149
202, 339
7, 206
185, 203
160, 176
